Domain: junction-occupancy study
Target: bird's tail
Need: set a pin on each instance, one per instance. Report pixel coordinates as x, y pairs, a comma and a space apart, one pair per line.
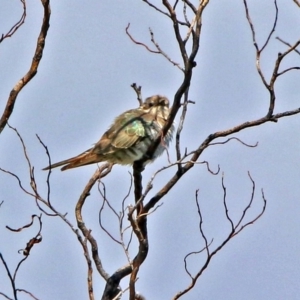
83, 159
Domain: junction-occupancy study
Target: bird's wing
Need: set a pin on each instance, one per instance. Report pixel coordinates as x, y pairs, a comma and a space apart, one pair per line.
129, 134
127, 129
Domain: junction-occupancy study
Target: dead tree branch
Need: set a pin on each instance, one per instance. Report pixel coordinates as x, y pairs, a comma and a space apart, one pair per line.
138, 90
33, 68
235, 230
297, 2
101, 172
12, 282
286, 43
17, 25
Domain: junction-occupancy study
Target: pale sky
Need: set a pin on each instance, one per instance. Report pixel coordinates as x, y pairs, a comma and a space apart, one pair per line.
84, 82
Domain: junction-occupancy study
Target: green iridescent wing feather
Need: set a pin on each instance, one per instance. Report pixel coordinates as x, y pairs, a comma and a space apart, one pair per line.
130, 130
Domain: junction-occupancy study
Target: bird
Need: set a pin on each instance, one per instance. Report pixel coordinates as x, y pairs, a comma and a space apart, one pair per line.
129, 137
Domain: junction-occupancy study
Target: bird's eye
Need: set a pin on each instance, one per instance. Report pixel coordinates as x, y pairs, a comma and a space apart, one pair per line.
151, 104
164, 102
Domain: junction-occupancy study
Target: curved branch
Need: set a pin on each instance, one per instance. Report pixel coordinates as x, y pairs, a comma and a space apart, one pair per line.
233, 232
26, 292
156, 8
234, 138
9, 276
172, 181
32, 70
101, 172
139, 43
164, 54
16, 26
282, 41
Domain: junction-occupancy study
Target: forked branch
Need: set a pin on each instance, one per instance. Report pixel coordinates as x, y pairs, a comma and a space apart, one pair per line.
235, 230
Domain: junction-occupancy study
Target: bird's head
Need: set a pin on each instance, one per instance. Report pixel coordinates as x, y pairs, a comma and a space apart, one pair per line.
156, 104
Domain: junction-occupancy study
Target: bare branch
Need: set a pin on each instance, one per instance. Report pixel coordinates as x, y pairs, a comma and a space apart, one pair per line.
32, 70
121, 220
251, 26
35, 240
139, 43
156, 8
16, 26
191, 253
191, 6
237, 139
101, 172
233, 232
279, 59
19, 181
28, 293
172, 181
297, 2
5, 296
138, 90
209, 169
139, 227
225, 205
200, 225
189, 64
286, 43
238, 230
275, 73
273, 28
49, 172
103, 194
180, 42
90, 268
12, 282
160, 51
112, 288
269, 86
287, 70
191, 30
179, 129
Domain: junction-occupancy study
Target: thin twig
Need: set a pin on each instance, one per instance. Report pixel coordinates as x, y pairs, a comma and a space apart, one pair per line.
196, 154
287, 70
28, 293
12, 282
286, 43
16, 26
201, 225
138, 90
273, 28
180, 127
49, 172
103, 195
160, 51
5, 296
236, 139
156, 8
233, 232
225, 205
139, 43
194, 253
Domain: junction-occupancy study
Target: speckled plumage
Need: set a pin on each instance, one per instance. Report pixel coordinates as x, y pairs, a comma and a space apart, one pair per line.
129, 137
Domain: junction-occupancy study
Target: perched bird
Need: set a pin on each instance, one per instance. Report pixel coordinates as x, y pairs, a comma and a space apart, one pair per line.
128, 138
